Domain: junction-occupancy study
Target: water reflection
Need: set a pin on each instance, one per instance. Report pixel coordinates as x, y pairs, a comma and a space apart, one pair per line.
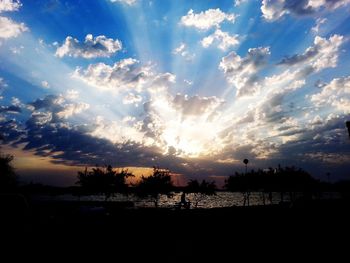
221, 199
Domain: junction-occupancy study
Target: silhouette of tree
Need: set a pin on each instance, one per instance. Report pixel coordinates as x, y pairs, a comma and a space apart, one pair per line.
284, 180
103, 181
200, 190
155, 185
348, 126
8, 177
291, 180
343, 187
241, 183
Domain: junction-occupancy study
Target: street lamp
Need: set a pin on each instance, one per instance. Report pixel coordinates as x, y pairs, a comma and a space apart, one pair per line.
246, 161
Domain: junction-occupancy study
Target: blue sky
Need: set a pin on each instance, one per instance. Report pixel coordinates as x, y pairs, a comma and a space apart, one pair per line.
195, 86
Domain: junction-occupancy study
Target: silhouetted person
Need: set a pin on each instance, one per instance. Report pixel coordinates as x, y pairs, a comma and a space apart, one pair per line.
348, 126
183, 198
183, 201
270, 197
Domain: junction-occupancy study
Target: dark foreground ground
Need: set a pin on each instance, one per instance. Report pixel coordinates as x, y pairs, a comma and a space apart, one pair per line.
64, 229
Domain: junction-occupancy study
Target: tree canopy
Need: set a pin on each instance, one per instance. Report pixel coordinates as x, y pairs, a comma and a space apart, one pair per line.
103, 180
156, 184
279, 179
8, 177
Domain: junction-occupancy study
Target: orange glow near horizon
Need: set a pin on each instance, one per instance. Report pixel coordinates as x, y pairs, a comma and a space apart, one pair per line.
26, 162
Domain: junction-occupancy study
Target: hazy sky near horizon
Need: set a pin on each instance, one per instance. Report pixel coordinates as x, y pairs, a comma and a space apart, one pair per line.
195, 86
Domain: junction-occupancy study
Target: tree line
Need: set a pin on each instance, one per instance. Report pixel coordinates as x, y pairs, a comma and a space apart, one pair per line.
107, 181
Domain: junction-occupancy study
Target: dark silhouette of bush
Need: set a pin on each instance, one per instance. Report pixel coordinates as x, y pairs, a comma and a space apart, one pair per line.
200, 190
155, 185
8, 177
343, 187
103, 181
284, 180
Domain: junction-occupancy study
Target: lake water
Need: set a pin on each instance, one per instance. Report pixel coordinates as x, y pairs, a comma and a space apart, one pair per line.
221, 199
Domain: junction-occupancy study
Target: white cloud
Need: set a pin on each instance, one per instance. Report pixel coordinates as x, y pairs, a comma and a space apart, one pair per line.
275, 9
160, 82
58, 107
206, 20
239, 2
317, 120
3, 84
9, 5
319, 23
16, 50
123, 75
116, 131
188, 82
335, 94
16, 102
10, 29
181, 50
323, 54
72, 94
329, 4
271, 113
41, 118
195, 105
242, 72
223, 40
132, 98
179, 121
72, 109
128, 2
101, 46
45, 84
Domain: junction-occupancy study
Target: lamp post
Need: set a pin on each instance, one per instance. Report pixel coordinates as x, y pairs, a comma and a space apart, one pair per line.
247, 192
246, 161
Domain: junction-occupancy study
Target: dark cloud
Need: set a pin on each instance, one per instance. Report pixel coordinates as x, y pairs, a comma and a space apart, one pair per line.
299, 7
273, 10
320, 147
54, 108
11, 131
10, 109
296, 59
73, 145
49, 102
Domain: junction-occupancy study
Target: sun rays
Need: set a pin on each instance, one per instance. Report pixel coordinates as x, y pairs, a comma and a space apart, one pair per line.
175, 81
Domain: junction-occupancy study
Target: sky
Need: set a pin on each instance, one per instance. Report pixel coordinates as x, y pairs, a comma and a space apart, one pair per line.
193, 86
